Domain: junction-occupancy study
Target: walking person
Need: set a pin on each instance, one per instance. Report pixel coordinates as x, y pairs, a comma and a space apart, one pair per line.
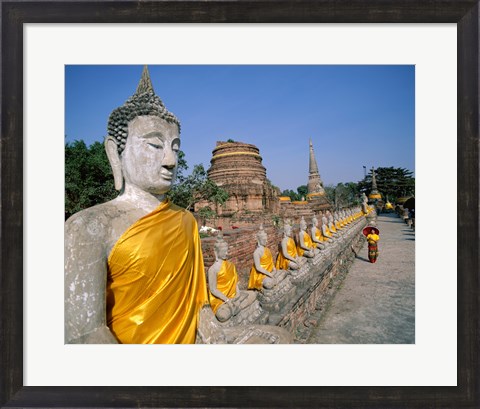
372, 235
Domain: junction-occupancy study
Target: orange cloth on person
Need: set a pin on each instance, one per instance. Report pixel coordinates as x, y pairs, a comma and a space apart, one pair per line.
156, 282
282, 262
227, 279
256, 278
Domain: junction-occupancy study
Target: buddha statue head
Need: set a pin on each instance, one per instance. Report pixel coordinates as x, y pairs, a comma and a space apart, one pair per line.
314, 221
303, 224
261, 236
220, 248
287, 228
143, 141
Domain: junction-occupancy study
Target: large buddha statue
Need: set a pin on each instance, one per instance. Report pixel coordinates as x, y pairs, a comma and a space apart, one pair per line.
306, 247
133, 266
226, 299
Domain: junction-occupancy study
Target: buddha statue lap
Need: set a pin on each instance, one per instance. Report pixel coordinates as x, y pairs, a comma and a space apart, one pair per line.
231, 306
274, 286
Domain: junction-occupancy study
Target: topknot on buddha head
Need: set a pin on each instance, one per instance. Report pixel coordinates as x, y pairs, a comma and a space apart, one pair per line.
143, 102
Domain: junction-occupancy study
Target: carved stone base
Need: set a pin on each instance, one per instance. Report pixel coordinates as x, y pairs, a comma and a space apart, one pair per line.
276, 298
253, 314
260, 334
301, 276
211, 331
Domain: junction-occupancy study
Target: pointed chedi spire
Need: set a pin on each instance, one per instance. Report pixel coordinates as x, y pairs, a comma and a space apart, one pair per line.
145, 84
312, 168
374, 180
374, 194
315, 184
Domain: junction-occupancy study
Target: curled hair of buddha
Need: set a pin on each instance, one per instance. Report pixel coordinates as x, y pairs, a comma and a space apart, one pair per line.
143, 102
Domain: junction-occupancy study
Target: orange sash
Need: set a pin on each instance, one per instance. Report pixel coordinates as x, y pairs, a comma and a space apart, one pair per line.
156, 279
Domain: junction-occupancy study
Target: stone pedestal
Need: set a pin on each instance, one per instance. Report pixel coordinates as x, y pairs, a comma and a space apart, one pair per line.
253, 314
274, 299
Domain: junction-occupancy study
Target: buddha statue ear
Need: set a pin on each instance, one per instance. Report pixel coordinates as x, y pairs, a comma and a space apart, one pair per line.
115, 162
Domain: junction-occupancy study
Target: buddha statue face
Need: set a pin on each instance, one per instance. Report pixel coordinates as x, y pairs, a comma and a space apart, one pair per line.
262, 238
221, 251
149, 160
287, 230
303, 224
315, 222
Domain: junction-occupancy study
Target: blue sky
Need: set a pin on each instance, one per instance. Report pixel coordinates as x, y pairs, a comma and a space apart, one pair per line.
355, 115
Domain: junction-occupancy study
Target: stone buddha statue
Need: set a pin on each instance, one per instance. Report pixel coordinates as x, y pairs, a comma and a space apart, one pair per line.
121, 283
226, 299
330, 222
263, 273
327, 234
287, 256
317, 236
288, 259
364, 200
275, 287
306, 247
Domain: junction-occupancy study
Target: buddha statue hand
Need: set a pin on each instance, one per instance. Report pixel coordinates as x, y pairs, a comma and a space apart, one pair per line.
293, 265
225, 311
308, 253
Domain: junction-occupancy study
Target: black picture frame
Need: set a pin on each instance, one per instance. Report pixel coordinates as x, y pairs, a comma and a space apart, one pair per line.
465, 13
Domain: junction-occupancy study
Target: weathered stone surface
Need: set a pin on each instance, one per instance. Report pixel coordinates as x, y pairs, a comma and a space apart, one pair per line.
276, 298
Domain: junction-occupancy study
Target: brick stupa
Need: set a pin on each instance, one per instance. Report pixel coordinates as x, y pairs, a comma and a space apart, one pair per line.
237, 167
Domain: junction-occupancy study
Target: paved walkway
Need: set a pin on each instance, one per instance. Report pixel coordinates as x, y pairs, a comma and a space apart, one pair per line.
376, 302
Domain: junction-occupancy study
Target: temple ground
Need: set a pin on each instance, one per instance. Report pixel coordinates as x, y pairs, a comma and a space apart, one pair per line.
374, 303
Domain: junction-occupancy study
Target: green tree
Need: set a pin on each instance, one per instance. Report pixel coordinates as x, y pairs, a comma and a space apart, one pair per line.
302, 191
196, 187
291, 194
88, 176
391, 182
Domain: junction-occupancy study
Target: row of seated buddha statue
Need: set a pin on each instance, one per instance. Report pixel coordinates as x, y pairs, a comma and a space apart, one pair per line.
134, 271
273, 284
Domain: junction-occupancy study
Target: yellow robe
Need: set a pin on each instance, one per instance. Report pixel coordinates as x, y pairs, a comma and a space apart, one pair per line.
256, 278
307, 240
156, 280
282, 262
319, 235
227, 279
